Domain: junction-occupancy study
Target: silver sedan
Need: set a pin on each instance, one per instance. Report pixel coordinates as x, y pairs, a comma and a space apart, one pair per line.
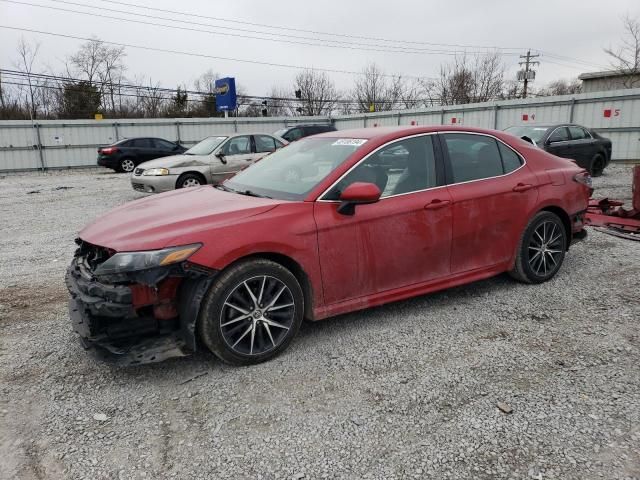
209, 161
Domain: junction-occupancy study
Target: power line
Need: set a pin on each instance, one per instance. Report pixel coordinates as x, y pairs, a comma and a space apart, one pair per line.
202, 55
337, 43
315, 32
45, 77
237, 35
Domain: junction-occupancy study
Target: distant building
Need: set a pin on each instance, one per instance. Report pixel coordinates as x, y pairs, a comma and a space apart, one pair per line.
609, 80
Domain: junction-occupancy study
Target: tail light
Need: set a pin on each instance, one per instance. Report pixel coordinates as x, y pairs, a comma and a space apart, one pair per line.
584, 178
107, 150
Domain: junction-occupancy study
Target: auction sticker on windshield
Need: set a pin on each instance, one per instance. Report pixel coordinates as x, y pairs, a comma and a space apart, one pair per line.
350, 141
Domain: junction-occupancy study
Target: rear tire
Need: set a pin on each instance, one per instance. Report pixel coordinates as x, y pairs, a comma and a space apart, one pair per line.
541, 249
127, 165
598, 163
190, 180
252, 312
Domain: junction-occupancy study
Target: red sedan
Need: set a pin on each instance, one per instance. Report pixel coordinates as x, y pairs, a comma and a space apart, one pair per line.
330, 224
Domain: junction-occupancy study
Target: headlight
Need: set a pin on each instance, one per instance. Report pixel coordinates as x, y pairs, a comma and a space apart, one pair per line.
156, 171
134, 261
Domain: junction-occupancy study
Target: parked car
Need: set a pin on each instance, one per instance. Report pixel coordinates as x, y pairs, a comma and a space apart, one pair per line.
589, 149
123, 156
296, 132
209, 161
236, 267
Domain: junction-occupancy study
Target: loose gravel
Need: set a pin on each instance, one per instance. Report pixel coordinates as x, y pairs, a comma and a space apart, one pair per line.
492, 380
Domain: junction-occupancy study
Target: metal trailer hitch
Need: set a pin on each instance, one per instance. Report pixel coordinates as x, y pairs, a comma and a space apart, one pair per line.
609, 217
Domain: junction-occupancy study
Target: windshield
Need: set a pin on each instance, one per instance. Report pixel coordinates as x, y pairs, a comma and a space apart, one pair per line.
293, 171
534, 133
206, 146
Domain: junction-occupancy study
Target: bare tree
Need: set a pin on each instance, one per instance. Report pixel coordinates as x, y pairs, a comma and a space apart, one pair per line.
465, 80
151, 100
111, 74
626, 57
280, 103
562, 87
27, 54
374, 90
318, 93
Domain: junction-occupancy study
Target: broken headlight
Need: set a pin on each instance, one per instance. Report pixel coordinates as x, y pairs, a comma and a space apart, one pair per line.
135, 261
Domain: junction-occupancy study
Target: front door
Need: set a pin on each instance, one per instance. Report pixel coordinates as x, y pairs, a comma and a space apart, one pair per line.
559, 143
403, 239
237, 153
493, 194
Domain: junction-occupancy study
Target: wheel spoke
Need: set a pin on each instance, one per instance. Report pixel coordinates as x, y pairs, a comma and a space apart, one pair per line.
533, 259
540, 237
235, 320
278, 307
271, 323
266, 327
251, 294
275, 298
235, 307
243, 335
253, 337
553, 259
264, 280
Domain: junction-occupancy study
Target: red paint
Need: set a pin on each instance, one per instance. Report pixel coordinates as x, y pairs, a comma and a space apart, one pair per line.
392, 249
361, 192
454, 120
525, 117
607, 113
413, 122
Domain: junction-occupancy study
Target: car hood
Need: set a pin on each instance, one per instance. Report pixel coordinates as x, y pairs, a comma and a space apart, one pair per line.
176, 161
174, 218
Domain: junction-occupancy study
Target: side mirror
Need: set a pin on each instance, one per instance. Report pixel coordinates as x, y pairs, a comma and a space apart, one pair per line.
220, 156
358, 193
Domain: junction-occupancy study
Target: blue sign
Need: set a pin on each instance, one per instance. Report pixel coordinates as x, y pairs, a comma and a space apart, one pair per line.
225, 89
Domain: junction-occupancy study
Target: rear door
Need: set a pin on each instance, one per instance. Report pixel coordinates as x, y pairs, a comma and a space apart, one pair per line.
493, 193
164, 148
264, 145
583, 145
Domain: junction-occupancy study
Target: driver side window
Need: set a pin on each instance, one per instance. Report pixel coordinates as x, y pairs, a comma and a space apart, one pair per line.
237, 146
401, 167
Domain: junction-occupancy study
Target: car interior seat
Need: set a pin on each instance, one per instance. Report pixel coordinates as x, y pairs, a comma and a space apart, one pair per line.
415, 175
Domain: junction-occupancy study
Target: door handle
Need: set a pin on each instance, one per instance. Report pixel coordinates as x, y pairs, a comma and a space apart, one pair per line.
436, 204
523, 187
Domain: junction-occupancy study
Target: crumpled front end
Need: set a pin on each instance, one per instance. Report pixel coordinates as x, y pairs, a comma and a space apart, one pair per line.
137, 317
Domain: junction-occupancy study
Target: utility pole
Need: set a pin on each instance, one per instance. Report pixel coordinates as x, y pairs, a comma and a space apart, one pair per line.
527, 74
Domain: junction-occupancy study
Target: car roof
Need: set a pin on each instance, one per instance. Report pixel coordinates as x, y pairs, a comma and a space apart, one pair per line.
390, 133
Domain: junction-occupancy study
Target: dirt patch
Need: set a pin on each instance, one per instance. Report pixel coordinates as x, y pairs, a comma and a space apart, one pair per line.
23, 303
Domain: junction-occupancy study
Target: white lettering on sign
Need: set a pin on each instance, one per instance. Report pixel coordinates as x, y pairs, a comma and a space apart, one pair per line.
350, 141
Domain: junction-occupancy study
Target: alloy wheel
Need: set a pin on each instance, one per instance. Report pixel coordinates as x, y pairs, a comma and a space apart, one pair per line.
127, 165
546, 248
257, 315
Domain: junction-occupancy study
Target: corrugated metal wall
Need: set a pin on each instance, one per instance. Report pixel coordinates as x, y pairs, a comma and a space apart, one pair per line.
69, 143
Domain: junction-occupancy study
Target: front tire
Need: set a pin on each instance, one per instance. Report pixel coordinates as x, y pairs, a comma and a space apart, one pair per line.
598, 163
252, 312
189, 180
541, 249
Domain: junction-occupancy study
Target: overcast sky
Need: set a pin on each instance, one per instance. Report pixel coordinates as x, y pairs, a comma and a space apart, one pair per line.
576, 29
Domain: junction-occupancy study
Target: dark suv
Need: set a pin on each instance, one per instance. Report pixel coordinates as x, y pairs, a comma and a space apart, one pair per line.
123, 156
296, 132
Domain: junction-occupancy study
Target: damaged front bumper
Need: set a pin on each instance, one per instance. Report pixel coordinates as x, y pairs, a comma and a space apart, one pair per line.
142, 317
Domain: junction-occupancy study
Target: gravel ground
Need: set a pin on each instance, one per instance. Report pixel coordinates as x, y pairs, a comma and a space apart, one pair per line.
409, 390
